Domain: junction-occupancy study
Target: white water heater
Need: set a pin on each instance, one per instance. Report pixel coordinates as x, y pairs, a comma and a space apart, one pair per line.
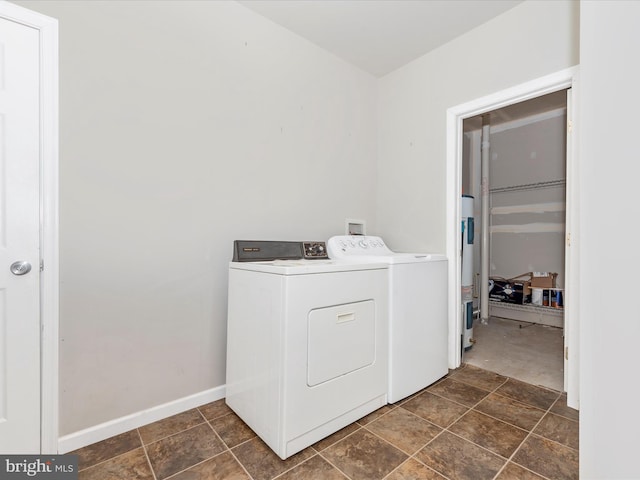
467, 271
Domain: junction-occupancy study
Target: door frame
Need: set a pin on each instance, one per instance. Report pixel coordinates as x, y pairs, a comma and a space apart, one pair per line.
49, 274
561, 80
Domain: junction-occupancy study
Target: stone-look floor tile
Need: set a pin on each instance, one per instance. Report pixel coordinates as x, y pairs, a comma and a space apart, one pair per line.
414, 470
232, 430
547, 458
510, 411
168, 426
547, 451
409, 397
404, 429
183, 450
339, 435
516, 472
459, 392
220, 467
530, 394
106, 449
457, 458
363, 456
214, 409
478, 377
492, 434
435, 409
559, 429
132, 465
316, 468
375, 414
561, 408
262, 463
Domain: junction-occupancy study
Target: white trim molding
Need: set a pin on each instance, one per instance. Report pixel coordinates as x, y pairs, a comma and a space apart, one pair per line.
49, 290
120, 425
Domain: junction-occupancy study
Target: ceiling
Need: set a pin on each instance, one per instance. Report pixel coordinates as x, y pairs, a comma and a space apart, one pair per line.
379, 36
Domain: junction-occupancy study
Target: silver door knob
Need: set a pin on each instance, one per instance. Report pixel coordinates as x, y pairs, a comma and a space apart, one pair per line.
20, 268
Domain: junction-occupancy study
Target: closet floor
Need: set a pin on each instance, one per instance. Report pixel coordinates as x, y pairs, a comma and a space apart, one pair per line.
528, 352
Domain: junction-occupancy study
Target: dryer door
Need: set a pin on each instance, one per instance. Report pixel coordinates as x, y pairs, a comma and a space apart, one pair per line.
341, 339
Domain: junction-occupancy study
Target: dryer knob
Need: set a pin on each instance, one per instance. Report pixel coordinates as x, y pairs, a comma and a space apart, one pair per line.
364, 244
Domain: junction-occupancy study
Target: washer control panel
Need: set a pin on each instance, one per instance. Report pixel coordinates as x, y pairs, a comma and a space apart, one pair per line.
315, 250
343, 246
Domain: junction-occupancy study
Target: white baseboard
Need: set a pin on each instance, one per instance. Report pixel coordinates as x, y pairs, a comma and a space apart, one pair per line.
105, 430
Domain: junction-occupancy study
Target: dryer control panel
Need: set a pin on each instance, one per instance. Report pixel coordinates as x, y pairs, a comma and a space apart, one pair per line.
268, 250
315, 250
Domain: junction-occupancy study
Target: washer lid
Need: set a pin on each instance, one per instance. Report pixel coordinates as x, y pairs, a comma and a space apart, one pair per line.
416, 257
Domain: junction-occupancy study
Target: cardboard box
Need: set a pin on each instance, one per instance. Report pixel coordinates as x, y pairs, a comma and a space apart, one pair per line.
510, 291
543, 280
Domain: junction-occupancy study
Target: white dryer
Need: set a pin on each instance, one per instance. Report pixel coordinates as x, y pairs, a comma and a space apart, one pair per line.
306, 342
418, 322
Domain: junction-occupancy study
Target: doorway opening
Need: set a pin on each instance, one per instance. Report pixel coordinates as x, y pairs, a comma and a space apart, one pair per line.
519, 331
561, 80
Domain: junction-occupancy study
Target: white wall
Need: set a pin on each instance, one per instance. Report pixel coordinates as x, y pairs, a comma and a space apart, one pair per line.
529, 41
528, 226
186, 125
610, 325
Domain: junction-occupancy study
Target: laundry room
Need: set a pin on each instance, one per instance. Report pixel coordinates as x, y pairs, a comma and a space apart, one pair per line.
194, 127
185, 125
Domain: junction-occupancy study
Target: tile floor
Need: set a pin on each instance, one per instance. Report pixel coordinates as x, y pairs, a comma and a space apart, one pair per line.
473, 424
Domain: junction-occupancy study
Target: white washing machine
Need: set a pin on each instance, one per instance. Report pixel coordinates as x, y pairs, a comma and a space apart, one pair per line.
418, 320
306, 342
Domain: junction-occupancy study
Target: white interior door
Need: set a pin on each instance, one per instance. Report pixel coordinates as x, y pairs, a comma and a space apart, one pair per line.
19, 238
